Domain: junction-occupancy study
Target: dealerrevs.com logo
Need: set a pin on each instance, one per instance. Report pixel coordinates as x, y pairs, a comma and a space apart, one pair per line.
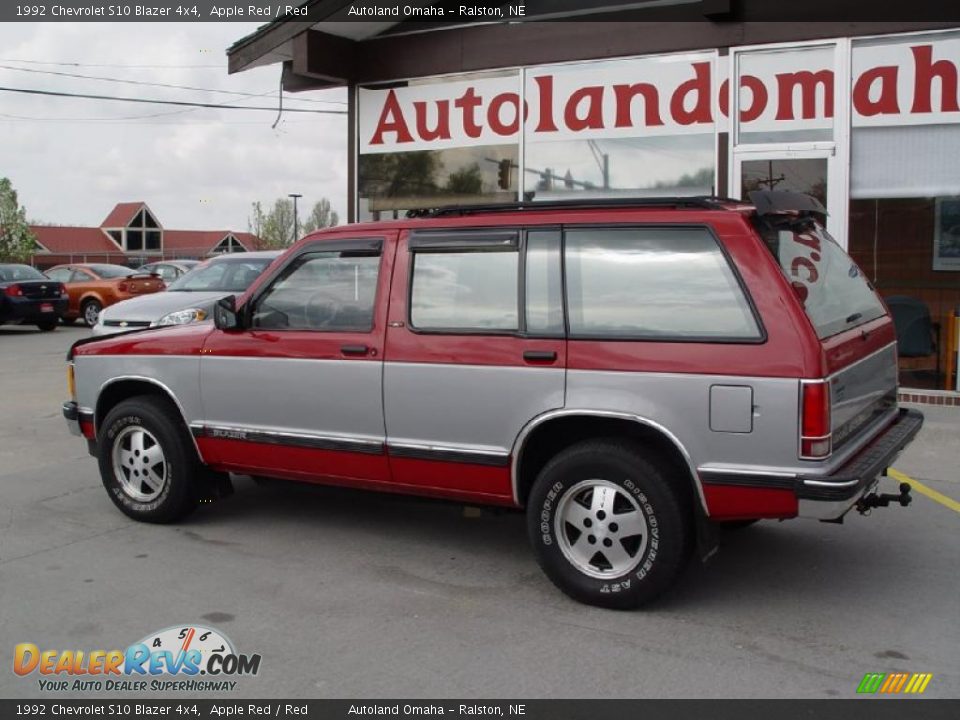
186, 658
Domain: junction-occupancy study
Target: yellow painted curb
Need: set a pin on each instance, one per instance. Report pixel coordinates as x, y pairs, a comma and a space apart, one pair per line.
924, 490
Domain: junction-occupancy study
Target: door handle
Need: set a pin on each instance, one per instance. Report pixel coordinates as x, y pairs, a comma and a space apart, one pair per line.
354, 349
539, 355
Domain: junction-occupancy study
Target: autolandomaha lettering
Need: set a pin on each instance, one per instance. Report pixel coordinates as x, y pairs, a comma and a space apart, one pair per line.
903, 84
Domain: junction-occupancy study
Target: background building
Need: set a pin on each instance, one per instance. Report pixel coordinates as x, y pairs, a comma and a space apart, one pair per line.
132, 235
704, 97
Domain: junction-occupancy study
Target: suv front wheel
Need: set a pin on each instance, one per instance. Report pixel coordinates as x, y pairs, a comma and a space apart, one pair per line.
147, 462
607, 525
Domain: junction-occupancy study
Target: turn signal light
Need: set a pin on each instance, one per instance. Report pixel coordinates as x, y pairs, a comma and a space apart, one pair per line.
13, 291
815, 433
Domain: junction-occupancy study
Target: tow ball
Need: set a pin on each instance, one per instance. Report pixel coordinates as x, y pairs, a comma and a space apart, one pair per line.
874, 500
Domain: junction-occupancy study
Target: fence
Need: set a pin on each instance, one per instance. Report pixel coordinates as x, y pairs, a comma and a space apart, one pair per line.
45, 261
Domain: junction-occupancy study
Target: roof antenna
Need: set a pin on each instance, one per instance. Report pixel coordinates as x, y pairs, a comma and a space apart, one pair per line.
280, 106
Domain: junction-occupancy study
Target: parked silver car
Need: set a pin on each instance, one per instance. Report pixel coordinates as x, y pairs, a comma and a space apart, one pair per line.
169, 270
190, 298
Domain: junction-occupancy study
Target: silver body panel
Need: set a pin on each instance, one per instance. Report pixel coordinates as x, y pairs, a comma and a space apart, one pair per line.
474, 408
178, 375
681, 403
331, 398
490, 410
855, 388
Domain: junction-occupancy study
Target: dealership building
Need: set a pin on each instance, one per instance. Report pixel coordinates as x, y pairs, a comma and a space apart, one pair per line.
662, 98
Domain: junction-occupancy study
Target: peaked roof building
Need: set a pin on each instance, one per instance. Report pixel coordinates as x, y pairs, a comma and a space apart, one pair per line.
131, 234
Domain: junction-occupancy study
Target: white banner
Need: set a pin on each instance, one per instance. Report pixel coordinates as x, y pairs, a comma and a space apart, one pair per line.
911, 82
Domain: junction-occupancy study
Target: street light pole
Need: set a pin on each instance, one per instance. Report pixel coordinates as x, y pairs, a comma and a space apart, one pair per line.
296, 219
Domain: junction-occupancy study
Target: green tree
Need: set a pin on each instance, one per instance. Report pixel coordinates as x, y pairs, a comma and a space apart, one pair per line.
274, 227
17, 241
321, 216
465, 181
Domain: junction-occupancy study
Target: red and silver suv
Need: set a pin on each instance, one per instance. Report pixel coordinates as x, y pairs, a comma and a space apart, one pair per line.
632, 374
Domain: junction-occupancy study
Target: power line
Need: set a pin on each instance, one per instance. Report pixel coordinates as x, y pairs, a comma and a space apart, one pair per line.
180, 103
156, 84
6, 117
78, 64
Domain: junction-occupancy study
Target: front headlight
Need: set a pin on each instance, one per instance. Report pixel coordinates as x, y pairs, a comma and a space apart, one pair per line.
183, 317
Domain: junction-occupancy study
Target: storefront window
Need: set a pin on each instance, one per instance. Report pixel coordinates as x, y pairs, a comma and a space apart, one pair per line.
679, 165
786, 95
905, 191
389, 184
637, 126
438, 141
804, 175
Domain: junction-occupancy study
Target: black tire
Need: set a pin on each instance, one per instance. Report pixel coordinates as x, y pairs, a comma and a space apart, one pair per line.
47, 326
641, 483
182, 473
88, 308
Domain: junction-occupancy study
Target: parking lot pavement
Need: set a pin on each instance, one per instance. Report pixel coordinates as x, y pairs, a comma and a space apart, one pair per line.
353, 594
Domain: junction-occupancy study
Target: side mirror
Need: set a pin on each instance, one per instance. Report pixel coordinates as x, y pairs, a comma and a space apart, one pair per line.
225, 316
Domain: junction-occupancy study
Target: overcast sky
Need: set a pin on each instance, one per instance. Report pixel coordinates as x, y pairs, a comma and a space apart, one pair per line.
72, 160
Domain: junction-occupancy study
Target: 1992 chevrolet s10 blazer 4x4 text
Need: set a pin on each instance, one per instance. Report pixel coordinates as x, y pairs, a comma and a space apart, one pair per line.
631, 373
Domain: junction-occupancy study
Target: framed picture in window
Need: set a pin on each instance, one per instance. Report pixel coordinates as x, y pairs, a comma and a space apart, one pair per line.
946, 239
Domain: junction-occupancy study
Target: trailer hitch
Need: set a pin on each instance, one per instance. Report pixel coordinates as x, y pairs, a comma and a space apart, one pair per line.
874, 500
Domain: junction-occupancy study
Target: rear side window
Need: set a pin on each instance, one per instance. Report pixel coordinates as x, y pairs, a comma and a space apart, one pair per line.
653, 283
60, 274
834, 293
465, 290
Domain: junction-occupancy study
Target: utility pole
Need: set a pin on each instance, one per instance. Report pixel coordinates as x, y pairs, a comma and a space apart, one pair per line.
296, 218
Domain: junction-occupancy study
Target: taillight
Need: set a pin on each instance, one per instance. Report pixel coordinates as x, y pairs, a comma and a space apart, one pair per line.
122, 287
71, 382
13, 291
815, 434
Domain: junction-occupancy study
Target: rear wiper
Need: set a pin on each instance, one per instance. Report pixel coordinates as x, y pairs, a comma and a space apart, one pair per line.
854, 317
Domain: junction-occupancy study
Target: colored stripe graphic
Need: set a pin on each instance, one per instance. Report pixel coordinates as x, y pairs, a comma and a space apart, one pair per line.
870, 683
894, 683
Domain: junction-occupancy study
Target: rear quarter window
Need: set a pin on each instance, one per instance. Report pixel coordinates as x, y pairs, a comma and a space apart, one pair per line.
654, 283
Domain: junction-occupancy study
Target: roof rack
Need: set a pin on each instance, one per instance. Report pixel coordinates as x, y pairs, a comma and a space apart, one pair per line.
703, 202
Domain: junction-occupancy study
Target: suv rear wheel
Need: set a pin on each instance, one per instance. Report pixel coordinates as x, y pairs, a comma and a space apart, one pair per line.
607, 525
147, 462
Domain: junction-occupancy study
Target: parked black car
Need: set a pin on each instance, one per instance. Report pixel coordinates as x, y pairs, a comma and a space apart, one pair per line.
28, 297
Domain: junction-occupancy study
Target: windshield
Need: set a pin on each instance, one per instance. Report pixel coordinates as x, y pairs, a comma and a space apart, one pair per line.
834, 292
9, 273
111, 271
223, 275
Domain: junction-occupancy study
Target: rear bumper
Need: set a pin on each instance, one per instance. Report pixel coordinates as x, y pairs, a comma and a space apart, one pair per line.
733, 495
828, 497
28, 310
